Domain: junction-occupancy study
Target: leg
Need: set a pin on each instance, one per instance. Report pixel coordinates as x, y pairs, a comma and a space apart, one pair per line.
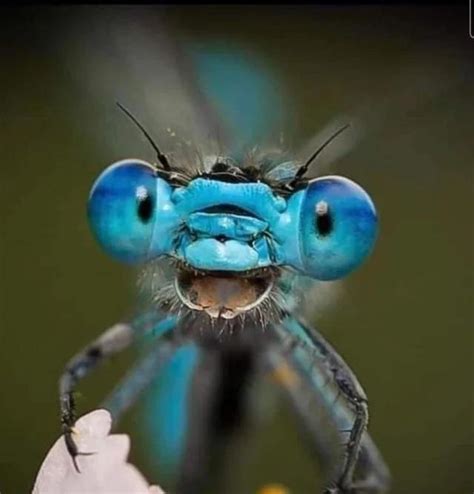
318, 428
111, 342
316, 360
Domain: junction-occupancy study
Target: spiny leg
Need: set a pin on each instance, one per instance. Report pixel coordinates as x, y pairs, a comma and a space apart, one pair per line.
316, 359
360, 449
112, 341
317, 348
323, 430
319, 429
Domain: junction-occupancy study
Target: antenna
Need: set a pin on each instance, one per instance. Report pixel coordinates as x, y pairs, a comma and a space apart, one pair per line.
161, 157
303, 169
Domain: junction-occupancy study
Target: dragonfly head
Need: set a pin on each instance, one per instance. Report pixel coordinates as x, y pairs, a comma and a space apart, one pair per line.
231, 232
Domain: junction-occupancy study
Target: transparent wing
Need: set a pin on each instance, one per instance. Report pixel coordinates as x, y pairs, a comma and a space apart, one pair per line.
186, 92
403, 91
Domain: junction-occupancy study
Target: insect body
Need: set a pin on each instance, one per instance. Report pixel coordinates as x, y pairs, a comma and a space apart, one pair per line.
236, 243
230, 243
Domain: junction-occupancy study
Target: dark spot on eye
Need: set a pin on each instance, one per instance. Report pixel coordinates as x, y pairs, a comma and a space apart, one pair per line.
324, 223
145, 208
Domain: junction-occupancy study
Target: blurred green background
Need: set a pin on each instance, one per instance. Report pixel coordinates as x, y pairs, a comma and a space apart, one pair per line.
404, 321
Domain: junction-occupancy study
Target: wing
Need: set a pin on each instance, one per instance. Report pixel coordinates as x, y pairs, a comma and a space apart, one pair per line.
403, 91
166, 411
186, 93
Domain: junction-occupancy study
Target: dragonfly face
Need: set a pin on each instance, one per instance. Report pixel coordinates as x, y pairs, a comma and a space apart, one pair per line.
226, 242
233, 231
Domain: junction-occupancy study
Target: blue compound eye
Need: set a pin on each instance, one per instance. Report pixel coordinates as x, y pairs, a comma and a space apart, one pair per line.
338, 227
121, 209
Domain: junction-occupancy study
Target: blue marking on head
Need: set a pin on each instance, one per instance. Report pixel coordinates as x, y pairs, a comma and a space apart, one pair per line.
324, 230
228, 225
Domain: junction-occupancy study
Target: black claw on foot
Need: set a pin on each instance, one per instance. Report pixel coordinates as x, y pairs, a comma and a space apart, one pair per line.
72, 449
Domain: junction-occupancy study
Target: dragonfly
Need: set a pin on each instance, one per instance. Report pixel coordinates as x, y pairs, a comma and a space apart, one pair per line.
231, 236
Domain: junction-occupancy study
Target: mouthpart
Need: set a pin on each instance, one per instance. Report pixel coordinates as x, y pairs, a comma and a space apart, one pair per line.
223, 294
